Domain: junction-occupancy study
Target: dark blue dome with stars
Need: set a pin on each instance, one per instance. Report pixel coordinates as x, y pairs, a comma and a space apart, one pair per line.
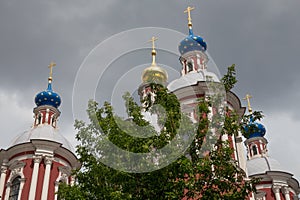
255, 129
48, 97
192, 43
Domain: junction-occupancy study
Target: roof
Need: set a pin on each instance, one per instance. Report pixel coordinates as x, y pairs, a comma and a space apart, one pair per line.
192, 78
43, 132
263, 164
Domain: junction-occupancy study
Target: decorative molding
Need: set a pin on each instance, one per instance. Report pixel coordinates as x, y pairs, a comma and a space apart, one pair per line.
285, 190
65, 170
238, 139
260, 195
276, 188
37, 159
16, 169
48, 160
3, 169
22, 180
17, 164
8, 184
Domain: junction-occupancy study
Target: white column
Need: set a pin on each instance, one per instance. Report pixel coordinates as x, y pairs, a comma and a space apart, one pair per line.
34, 177
240, 151
2, 178
276, 190
286, 192
22, 182
48, 163
7, 191
47, 116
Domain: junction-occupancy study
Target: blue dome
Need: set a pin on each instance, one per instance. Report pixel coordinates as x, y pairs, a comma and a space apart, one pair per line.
191, 43
255, 129
48, 97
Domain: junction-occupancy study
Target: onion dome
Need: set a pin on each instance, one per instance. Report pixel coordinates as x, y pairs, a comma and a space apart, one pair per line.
154, 73
191, 42
255, 129
48, 96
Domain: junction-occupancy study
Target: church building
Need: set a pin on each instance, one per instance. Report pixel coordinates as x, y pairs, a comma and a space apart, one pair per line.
39, 159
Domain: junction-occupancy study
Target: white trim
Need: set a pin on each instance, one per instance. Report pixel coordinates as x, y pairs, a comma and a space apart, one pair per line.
234, 147
7, 191
286, 192
2, 179
276, 191
16, 168
34, 177
48, 163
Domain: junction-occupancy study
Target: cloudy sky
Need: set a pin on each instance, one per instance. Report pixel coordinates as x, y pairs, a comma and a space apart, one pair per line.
260, 37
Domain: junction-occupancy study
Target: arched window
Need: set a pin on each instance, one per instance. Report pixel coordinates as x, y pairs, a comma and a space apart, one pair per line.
53, 121
39, 119
15, 189
189, 66
254, 150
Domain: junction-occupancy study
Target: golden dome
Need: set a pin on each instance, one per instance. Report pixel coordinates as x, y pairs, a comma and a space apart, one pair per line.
154, 73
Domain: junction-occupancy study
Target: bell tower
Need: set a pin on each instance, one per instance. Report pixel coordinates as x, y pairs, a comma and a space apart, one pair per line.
40, 158
276, 183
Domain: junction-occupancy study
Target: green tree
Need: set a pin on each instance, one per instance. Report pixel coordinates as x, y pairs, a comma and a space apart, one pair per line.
205, 171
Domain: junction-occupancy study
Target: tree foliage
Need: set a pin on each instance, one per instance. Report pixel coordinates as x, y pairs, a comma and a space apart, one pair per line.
229, 79
198, 174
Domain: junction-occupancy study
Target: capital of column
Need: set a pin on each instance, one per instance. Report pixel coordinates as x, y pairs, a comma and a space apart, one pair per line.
8, 184
48, 160
37, 159
3, 169
285, 190
276, 188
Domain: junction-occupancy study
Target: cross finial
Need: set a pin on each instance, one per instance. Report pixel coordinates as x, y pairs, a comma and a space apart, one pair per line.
188, 11
153, 39
247, 98
52, 64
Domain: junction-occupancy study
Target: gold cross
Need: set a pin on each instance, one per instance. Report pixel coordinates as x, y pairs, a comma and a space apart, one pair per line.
153, 39
248, 97
52, 64
188, 11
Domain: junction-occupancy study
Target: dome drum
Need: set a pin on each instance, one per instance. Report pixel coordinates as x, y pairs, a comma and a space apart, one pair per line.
193, 61
46, 115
